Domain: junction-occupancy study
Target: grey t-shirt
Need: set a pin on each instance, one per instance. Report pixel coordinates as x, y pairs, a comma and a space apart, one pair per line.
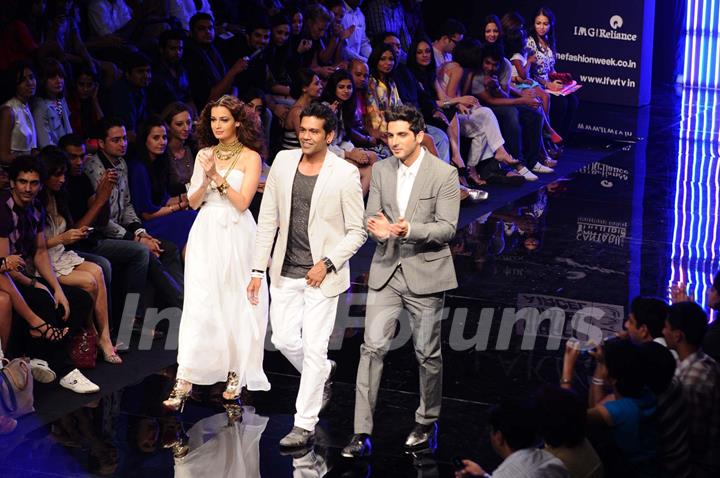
298, 258
478, 82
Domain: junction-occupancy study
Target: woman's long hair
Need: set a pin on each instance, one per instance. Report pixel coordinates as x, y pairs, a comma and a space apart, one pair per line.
424, 74
55, 162
374, 59
175, 108
346, 111
249, 132
159, 168
546, 12
492, 19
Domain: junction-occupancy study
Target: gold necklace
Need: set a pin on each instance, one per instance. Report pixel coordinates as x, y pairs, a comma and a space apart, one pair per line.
224, 152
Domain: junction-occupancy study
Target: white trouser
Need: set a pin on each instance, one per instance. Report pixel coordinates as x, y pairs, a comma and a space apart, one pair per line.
482, 128
302, 319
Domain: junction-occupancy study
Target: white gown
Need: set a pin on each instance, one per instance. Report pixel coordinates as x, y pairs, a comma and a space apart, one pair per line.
220, 331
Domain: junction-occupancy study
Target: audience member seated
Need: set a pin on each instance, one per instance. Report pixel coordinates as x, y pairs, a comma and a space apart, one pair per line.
183, 10
306, 88
250, 50
358, 130
127, 99
164, 217
319, 47
165, 268
16, 38
563, 417
387, 16
515, 39
339, 93
50, 110
487, 150
209, 78
85, 109
179, 120
520, 117
71, 269
89, 206
170, 80
18, 135
514, 437
278, 56
700, 377
628, 413
111, 20
383, 95
357, 45
673, 418
446, 39
22, 243
255, 99
541, 43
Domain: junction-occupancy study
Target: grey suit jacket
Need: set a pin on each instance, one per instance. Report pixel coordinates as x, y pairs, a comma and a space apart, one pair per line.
432, 212
335, 226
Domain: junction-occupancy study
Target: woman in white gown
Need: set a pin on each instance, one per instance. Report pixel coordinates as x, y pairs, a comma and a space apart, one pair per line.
221, 333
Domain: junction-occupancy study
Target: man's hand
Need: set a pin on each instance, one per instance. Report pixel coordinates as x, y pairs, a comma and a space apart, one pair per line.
400, 228
253, 290
239, 66
151, 243
316, 274
379, 226
106, 184
347, 33
471, 469
60, 299
678, 293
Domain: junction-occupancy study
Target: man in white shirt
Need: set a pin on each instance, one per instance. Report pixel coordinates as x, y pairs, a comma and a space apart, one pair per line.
514, 438
357, 45
450, 34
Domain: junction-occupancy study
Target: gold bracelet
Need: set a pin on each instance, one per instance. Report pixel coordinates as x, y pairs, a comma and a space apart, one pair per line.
222, 189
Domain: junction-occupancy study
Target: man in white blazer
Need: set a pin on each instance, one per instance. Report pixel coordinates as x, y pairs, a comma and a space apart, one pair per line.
313, 200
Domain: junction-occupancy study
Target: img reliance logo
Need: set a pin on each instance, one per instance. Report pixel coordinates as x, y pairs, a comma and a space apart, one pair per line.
616, 22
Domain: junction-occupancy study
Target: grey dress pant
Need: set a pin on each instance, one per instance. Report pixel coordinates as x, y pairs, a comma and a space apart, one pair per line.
383, 308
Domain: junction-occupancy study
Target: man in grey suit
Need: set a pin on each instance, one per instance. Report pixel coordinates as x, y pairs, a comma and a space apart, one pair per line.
412, 214
313, 201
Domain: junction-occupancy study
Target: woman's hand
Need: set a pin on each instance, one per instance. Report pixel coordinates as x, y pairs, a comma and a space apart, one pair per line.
71, 236
13, 263
208, 164
554, 85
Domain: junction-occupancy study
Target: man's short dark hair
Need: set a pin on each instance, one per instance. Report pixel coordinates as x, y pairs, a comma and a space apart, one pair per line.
136, 60
561, 415
659, 366
451, 27
199, 17
70, 139
322, 111
407, 113
27, 164
105, 124
625, 364
691, 319
258, 22
168, 35
650, 312
518, 423
493, 51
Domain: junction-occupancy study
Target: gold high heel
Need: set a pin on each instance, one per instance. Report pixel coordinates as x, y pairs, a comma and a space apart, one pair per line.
178, 396
232, 389
234, 413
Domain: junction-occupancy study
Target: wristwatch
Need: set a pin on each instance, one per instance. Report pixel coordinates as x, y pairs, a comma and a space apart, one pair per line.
329, 266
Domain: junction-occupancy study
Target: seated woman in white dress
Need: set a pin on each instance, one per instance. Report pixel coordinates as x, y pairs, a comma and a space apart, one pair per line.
71, 269
221, 333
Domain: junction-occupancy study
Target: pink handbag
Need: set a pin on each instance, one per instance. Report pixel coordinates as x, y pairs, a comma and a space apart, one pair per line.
16, 388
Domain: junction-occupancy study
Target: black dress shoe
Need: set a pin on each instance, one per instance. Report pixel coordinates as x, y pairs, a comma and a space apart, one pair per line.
359, 446
422, 437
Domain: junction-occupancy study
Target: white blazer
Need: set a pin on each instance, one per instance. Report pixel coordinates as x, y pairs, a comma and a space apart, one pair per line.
335, 225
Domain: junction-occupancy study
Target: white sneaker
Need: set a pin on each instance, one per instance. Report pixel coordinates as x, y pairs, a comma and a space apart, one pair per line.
41, 371
78, 383
525, 172
542, 169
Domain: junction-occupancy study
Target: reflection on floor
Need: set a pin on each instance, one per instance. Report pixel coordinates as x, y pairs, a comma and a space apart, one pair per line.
632, 214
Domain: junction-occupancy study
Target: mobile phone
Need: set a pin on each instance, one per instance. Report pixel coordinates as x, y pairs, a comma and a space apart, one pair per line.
90, 229
457, 463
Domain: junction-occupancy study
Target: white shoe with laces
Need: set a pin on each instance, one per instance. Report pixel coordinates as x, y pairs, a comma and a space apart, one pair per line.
78, 383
